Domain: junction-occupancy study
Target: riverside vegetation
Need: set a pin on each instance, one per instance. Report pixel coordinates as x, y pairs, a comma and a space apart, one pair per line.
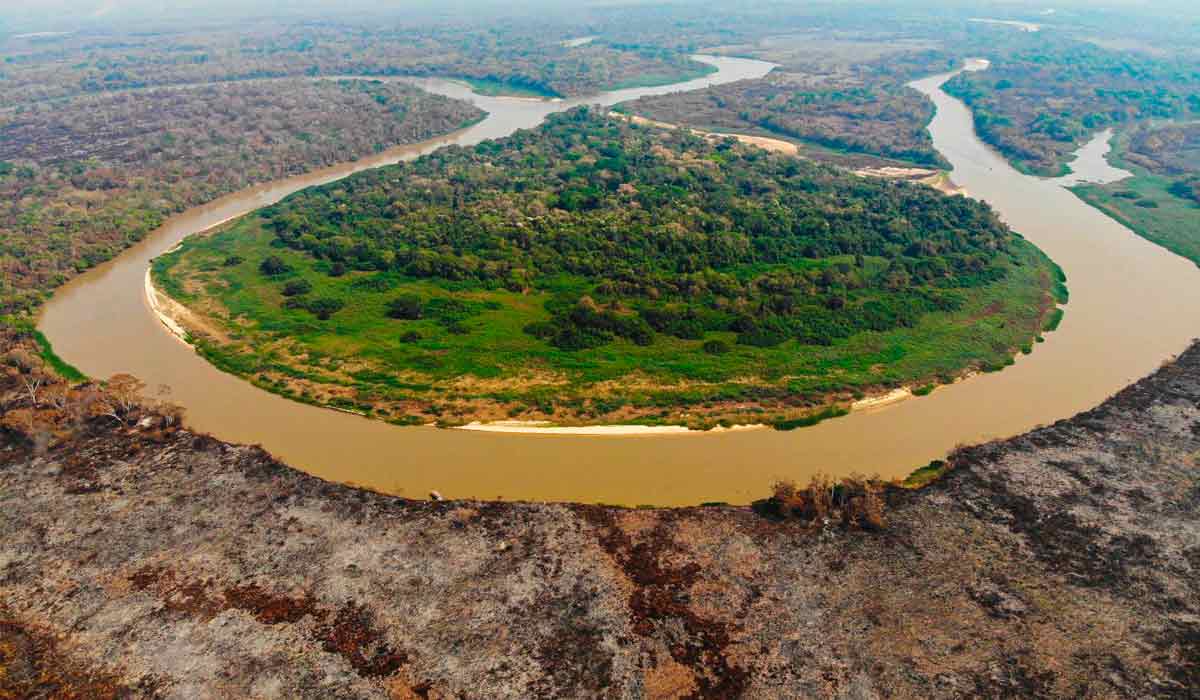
1161, 202
1044, 95
517, 56
83, 179
835, 104
596, 270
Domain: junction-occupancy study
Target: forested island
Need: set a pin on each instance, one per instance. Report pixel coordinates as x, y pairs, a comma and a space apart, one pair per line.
596, 270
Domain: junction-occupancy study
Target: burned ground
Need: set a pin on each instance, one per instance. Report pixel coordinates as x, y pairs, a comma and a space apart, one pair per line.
1059, 563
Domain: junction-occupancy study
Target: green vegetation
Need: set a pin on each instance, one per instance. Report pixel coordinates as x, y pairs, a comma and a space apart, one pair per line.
836, 113
812, 419
134, 162
927, 474
681, 74
19, 330
1161, 202
593, 270
509, 88
1044, 95
1172, 221
60, 366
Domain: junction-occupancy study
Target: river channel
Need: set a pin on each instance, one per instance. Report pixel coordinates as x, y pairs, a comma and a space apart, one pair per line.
1133, 305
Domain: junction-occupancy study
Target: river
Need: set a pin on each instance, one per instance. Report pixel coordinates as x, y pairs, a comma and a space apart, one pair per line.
1133, 305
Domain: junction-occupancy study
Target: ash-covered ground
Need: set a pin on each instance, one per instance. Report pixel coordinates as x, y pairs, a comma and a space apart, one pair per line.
143, 562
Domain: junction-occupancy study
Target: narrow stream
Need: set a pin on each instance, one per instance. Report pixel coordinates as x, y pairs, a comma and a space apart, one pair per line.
1133, 305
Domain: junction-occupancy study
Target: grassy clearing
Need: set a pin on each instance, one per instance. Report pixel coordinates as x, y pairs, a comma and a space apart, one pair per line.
655, 80
504, 88
926, 475
1145, 205
481, 365
60, 366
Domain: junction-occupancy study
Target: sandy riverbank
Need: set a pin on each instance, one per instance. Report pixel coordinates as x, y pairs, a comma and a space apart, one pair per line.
764, 142
545, 428
158, 303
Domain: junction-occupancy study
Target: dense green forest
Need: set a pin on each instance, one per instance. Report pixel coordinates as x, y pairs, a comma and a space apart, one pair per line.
594, 249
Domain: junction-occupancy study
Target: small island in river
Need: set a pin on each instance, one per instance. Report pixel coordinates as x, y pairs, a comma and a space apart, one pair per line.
597, 271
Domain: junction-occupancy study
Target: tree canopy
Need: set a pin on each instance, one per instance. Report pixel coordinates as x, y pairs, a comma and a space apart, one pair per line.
641, 230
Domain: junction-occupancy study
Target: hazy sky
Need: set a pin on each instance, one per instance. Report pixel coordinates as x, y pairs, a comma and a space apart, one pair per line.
37, 15
62, 13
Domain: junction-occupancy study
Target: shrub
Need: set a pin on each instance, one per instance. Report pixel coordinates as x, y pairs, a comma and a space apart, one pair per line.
406, 307
374, 283
544, 330
716, 347
577, 338
854, 502
322, 308
295, 288
233, 261
456, 327
766, 334
410, 337
273, 266
811, 419
337, 269
1147, 204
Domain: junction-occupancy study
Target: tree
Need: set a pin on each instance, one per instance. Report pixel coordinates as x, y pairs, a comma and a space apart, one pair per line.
124, 394
406, 307
297, 287
30, 370
273, 266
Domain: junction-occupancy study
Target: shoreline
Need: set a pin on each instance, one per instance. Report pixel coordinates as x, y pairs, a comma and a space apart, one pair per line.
764, 142
162, 305
547, 428
155, 299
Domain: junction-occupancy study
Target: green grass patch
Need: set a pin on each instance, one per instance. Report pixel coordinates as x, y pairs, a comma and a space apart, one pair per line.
506, 88
927, 474
24, 326
655, 79
812, 419
1146, 203
60, 366
1172, 222
1053, 320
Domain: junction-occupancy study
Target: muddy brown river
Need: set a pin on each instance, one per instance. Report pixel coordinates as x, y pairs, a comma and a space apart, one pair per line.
1133, 305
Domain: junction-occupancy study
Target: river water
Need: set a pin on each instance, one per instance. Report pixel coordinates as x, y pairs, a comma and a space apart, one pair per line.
1133, 305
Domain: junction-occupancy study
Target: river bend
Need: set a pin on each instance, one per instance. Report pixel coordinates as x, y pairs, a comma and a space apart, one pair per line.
1133, 305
